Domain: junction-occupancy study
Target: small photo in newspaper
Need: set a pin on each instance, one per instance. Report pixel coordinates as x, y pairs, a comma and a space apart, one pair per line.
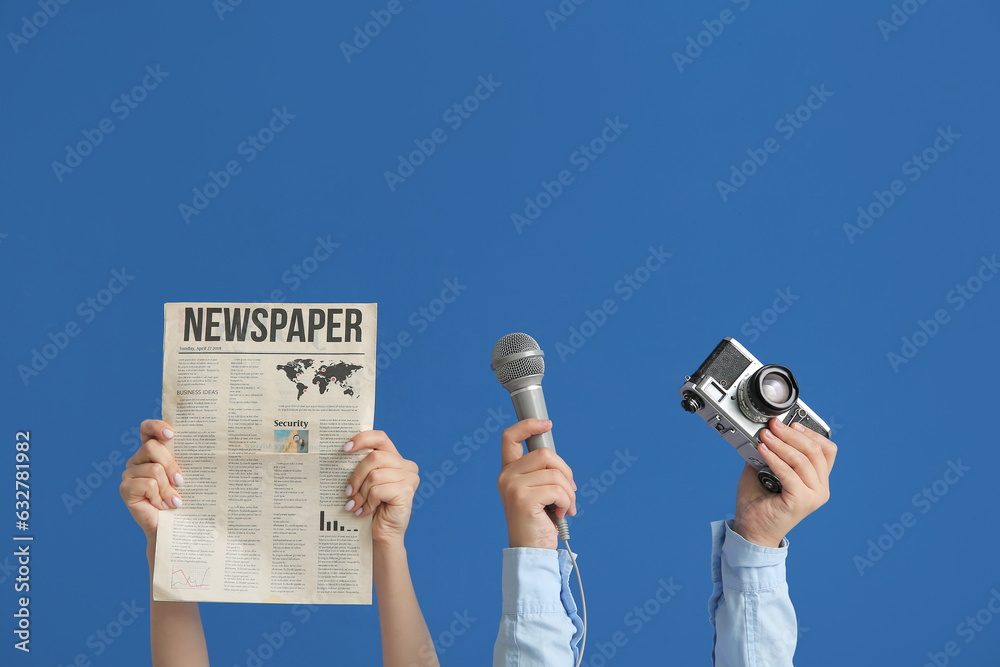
294, 441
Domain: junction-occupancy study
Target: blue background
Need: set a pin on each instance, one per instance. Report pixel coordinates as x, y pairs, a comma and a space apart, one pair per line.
857, 294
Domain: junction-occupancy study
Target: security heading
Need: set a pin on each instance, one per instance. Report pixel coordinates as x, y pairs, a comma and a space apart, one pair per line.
341, 325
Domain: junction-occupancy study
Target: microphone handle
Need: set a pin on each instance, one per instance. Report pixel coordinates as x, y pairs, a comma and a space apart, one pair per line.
529, 403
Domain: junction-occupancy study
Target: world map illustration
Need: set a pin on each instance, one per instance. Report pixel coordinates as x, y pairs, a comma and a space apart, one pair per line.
324, 374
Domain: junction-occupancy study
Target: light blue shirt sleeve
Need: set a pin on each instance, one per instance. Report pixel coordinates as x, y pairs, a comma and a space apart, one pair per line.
750, 609
539, 626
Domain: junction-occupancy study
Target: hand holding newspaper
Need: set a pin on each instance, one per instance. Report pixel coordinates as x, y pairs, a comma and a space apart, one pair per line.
263, 398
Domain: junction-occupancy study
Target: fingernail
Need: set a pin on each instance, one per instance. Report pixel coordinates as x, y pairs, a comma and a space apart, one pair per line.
779, 424
178, 480
163, 503
349, 445
167, 433
177, 501
574, 509
360, 510
762, 447
546, 422
766, 434
349, 491
799, 427
574, 486
350, 505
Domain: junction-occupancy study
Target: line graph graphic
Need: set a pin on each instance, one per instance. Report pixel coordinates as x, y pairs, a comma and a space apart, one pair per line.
190, 576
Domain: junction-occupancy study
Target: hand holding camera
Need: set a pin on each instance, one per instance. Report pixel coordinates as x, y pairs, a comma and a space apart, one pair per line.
756, 408
802, 460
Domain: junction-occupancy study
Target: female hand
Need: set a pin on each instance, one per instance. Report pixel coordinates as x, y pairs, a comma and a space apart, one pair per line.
150, 477
382, 486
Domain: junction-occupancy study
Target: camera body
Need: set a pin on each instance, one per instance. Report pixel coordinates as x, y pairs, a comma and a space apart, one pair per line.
737, 395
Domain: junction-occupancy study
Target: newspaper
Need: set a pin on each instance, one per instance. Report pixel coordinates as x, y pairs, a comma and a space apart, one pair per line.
262, 398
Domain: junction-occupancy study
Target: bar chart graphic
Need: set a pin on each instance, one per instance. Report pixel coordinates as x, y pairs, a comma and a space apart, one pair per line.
333, 526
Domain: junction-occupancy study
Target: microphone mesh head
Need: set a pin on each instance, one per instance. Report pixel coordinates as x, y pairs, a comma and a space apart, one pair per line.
521, 367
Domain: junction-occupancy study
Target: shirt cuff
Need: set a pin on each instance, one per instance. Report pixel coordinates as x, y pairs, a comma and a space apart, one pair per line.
533, 581
745, 566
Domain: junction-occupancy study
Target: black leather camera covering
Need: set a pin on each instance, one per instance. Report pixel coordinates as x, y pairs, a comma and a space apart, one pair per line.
806, 421
726, 364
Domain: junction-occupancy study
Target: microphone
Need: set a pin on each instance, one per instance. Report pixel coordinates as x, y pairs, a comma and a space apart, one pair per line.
519, 366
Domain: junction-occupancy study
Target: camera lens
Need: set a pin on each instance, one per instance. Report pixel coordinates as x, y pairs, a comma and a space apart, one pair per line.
775, 389
768, 393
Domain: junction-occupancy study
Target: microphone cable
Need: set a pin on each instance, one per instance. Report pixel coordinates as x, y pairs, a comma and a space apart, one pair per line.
583, 598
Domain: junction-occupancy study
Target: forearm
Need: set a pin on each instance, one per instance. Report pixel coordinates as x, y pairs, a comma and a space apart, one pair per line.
539, 626
176, 636
405, 638
753, 616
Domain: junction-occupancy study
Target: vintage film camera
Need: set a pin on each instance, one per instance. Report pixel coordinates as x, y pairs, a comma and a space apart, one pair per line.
737, 395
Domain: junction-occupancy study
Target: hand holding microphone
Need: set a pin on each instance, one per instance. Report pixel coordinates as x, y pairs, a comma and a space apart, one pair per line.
537, 489
541, 476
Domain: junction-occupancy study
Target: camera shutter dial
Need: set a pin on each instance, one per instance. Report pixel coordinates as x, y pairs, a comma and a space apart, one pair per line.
691, 403
769, 481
